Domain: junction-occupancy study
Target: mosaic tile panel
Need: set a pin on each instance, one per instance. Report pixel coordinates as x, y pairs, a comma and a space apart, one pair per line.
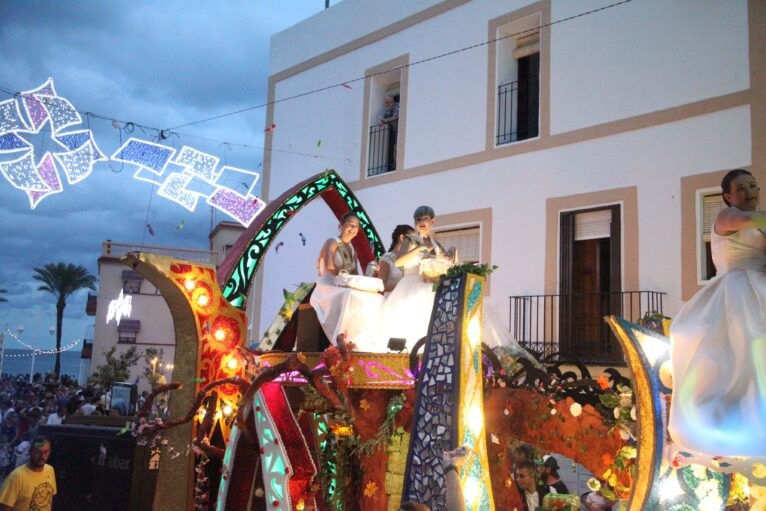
437, 401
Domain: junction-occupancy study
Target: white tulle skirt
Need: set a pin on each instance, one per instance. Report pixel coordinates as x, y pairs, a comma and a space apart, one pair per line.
407, 310
719, 368
345, 310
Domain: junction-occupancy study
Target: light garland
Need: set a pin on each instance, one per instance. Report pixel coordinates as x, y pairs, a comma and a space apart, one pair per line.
38, 351
40, 180
198, 177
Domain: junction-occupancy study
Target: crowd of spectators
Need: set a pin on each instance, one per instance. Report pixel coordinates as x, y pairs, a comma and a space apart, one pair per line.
25, 406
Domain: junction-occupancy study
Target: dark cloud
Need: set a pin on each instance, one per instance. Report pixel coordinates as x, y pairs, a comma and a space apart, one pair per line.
155, 63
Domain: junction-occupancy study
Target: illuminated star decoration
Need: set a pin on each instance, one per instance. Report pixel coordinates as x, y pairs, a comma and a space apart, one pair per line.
119, 308
75, 151
188, 175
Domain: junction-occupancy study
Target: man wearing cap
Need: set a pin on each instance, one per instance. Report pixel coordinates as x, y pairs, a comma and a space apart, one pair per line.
550, 475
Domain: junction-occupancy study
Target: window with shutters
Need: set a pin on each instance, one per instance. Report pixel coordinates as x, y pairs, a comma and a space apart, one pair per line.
467, 241
710, 204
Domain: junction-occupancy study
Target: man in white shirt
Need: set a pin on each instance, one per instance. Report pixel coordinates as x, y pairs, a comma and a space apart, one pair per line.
57, 418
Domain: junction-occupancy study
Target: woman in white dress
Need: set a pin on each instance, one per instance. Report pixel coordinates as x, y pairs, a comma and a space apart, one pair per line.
342, 310
719, 337
388, 271
407, 310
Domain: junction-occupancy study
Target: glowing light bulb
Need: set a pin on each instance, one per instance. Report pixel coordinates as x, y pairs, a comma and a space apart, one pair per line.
220, 334
202, 413
227, 410
202, 300
232, 363
670, 489
470, 489
300, 506
474, 331
189, 284
476, 420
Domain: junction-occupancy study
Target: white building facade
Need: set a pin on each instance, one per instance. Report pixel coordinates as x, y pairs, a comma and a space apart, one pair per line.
580, 152
146, 323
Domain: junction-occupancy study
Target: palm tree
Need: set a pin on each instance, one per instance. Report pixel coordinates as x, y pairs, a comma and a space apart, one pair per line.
2, 292
62, 281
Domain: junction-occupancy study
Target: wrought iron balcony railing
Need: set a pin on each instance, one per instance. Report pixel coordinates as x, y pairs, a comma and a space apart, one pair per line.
572, 325
381, 157
518, 106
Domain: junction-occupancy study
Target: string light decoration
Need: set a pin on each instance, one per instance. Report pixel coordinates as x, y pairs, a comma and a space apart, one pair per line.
40, 179
198, 177
38, 351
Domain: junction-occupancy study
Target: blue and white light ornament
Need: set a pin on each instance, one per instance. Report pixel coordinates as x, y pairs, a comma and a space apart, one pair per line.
39, 178
189, 175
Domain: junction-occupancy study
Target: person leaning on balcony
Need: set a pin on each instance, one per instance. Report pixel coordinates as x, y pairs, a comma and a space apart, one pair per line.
342, 310
390, 113
718, 339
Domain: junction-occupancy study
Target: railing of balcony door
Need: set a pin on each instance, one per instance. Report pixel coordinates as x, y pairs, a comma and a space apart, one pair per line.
572, 324
381, 157
518, 106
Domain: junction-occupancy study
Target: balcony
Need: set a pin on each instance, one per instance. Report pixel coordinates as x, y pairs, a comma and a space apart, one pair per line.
518, 105
381, 157
570, 327
90, 305
117, 250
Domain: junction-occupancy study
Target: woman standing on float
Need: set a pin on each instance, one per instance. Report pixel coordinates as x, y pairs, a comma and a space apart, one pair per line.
719, 337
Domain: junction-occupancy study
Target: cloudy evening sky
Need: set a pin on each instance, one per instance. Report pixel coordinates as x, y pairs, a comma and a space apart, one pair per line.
159, 64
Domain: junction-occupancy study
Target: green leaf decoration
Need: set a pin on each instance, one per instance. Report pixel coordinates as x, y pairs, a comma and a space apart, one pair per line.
609, 400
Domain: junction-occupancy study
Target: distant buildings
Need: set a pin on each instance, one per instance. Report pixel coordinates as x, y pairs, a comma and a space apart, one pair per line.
146, 322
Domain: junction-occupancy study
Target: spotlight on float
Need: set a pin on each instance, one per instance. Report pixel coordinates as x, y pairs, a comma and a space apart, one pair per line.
397, 344
220, 334
189, 284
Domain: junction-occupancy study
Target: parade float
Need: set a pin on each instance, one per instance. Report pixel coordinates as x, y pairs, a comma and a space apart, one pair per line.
294, 423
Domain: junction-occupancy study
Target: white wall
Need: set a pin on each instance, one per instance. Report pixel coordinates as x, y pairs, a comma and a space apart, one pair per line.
644, 56
629, 60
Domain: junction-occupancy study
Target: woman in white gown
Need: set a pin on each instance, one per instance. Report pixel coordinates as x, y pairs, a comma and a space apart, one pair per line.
407, 310
719, 337
388, 271
342, 310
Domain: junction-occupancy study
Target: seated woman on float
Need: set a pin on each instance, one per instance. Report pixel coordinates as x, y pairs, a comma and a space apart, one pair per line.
344, 310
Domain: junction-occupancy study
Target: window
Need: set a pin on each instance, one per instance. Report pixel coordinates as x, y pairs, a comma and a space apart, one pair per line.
385, 96
711, 203
518, 80
467, 241
128, 330
131, 282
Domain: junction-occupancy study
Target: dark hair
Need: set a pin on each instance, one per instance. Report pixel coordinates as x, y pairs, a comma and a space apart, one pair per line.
413, 506
424, 211
348, 215
527, 465
526, 450
400, 230
728, 178
39, 440
552, 464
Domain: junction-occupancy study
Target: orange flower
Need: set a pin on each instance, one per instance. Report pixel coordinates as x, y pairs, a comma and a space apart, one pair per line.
607, 459
364, 405
371, 489
603, 382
